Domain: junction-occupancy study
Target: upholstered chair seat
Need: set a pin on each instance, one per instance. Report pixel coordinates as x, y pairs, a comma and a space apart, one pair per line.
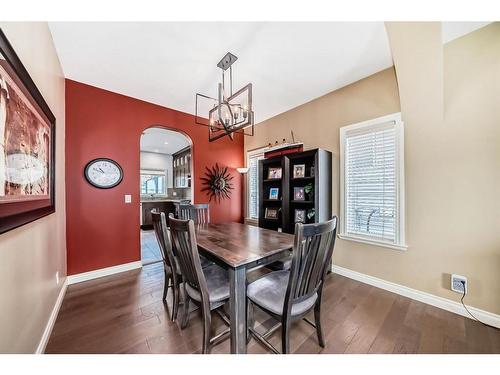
289, 294
269, 292
217, 284
206, 287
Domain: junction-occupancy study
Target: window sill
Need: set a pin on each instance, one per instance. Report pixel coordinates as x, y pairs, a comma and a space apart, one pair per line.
373, 242
254, 222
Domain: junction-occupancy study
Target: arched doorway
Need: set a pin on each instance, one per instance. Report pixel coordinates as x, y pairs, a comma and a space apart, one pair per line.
166, 178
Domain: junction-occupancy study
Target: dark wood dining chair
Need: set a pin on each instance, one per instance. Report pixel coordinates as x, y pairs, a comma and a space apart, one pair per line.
182, 202
173, 277
199, 213
206, 287
289, 296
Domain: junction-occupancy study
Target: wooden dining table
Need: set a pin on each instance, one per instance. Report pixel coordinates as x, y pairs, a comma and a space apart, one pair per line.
239, 248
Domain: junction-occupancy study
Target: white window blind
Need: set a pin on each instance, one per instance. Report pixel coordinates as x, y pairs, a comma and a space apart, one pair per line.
253, 158
372, 182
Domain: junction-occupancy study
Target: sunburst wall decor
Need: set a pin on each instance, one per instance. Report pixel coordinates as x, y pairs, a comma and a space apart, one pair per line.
217, 183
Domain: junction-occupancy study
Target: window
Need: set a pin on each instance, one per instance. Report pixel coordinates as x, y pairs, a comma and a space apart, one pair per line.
253, 158
372, 182
153, 182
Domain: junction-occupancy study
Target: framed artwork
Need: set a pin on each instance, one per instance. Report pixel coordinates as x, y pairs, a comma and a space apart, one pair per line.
271, 213
274, 173
299, 170
217, 183
274, 193
299, 194
300, 216
27, 145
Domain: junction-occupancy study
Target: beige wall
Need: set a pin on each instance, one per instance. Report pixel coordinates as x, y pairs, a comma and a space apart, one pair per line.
31, 255
452, 165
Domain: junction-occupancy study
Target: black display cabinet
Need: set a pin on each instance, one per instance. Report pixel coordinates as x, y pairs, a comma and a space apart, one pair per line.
304, 189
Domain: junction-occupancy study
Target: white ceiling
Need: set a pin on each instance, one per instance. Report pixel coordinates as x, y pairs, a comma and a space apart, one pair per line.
454, 30
163, 141
167, 63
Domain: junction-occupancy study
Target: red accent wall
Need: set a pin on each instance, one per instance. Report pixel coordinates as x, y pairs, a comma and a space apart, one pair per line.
101, 230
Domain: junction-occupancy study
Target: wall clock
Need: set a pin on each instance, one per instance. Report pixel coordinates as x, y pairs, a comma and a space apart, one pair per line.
103, 173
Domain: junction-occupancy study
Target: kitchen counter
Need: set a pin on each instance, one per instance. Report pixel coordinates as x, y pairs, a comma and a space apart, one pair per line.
174, 200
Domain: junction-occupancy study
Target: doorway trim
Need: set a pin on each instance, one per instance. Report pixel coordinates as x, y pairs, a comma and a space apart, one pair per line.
191, 165
191, 144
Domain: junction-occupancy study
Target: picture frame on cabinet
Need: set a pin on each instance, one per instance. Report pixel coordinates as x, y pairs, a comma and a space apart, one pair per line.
271, 213
274, 173
299, 171
300, 216
299, 194
274, 193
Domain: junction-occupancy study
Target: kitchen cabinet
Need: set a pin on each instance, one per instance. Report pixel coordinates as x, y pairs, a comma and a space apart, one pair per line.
182, 168
161, 206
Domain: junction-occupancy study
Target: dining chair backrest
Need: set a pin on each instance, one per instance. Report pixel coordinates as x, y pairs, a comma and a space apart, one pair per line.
163, 238
199, 213
184, 242
182, 202
312, 251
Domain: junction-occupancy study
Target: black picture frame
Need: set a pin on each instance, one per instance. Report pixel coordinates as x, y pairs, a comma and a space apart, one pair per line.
274, 193
299, 171
17, 213
300, 216
272, 213
86, 170
275, 173
299, 194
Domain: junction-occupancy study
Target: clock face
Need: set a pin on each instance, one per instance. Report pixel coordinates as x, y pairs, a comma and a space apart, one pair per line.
103, 173
24, 169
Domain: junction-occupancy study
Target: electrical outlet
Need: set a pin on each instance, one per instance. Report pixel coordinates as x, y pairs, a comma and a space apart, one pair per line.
128, 198
459, 283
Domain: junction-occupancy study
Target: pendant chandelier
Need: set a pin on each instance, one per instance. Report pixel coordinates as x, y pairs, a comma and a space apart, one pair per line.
230, 112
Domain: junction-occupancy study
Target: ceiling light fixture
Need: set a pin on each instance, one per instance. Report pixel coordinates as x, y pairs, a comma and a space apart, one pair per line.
230, 112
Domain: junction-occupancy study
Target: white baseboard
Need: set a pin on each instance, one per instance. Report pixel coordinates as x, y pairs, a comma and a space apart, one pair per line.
52, 320
85, 276
430, 299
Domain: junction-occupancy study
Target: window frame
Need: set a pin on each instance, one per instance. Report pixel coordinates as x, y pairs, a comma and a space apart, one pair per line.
400, 243
259, 153
156, 173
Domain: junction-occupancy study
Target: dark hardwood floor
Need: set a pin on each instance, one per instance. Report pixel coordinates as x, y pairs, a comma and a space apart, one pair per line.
124, 314
150, 251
